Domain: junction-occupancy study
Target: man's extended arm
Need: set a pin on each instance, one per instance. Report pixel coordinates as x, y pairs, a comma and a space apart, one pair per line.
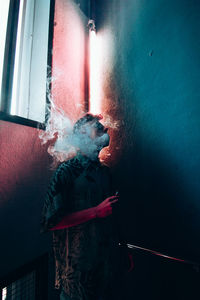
102, 210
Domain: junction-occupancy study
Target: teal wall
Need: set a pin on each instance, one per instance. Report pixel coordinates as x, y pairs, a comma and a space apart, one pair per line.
153, 81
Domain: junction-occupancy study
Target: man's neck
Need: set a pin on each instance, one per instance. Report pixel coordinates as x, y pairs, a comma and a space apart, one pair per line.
87, 157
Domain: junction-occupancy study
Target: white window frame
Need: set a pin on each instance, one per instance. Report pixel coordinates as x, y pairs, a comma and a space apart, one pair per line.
28, 88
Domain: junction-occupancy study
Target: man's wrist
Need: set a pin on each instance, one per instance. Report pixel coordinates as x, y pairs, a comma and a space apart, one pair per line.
95, 212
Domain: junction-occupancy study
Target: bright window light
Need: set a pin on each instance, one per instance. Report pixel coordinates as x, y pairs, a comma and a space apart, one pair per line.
30, 70
4, 293
13, 110
28, 75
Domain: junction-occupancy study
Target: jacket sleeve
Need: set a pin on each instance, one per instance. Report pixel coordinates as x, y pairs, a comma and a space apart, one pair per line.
57, 200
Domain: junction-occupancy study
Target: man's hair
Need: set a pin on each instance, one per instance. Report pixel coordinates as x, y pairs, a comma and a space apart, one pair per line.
85, 119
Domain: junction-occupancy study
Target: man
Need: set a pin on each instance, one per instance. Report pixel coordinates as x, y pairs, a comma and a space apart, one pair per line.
77, 209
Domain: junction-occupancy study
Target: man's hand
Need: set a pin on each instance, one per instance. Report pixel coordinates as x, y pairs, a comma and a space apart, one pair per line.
104, 209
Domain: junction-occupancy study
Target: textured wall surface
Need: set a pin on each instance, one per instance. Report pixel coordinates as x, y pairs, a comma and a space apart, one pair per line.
25, 164
151, 83
69, 84
24, 173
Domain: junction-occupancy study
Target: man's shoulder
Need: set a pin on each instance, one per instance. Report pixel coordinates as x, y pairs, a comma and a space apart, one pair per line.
69, 166
65, 172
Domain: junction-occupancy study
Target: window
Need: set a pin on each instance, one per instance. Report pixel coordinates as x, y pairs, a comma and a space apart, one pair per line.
28, 282
24, 57
22, 288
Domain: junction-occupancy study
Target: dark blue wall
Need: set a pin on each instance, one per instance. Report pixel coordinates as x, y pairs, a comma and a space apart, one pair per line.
154, 82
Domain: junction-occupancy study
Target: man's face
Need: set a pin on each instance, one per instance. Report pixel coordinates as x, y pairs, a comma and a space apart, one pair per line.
97, 130
99, 136
89, 139
94, 138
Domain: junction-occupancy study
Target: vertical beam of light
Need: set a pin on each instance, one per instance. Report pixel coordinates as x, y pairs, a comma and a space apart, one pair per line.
17, 61
94, 78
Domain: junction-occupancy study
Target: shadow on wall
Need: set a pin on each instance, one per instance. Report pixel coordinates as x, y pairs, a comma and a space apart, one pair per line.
159, 201
158, 206
156, 213
157, 173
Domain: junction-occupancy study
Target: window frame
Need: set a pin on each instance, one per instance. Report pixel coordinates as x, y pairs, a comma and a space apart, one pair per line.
8, 66
41, 267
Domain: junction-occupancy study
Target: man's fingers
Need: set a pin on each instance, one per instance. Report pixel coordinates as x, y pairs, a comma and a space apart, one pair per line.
115, 196
107, 200
112, 198
111, 202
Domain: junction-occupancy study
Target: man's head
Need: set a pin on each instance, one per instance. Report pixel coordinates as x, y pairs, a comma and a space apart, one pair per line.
91, 135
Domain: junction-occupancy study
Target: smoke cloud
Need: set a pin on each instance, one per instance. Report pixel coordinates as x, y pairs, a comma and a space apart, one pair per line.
60, 127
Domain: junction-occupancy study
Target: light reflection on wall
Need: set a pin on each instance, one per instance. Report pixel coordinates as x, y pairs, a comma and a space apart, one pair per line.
94, 79
100, 101
100, 65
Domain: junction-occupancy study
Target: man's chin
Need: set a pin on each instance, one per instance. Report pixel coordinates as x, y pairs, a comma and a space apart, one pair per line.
95, 156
